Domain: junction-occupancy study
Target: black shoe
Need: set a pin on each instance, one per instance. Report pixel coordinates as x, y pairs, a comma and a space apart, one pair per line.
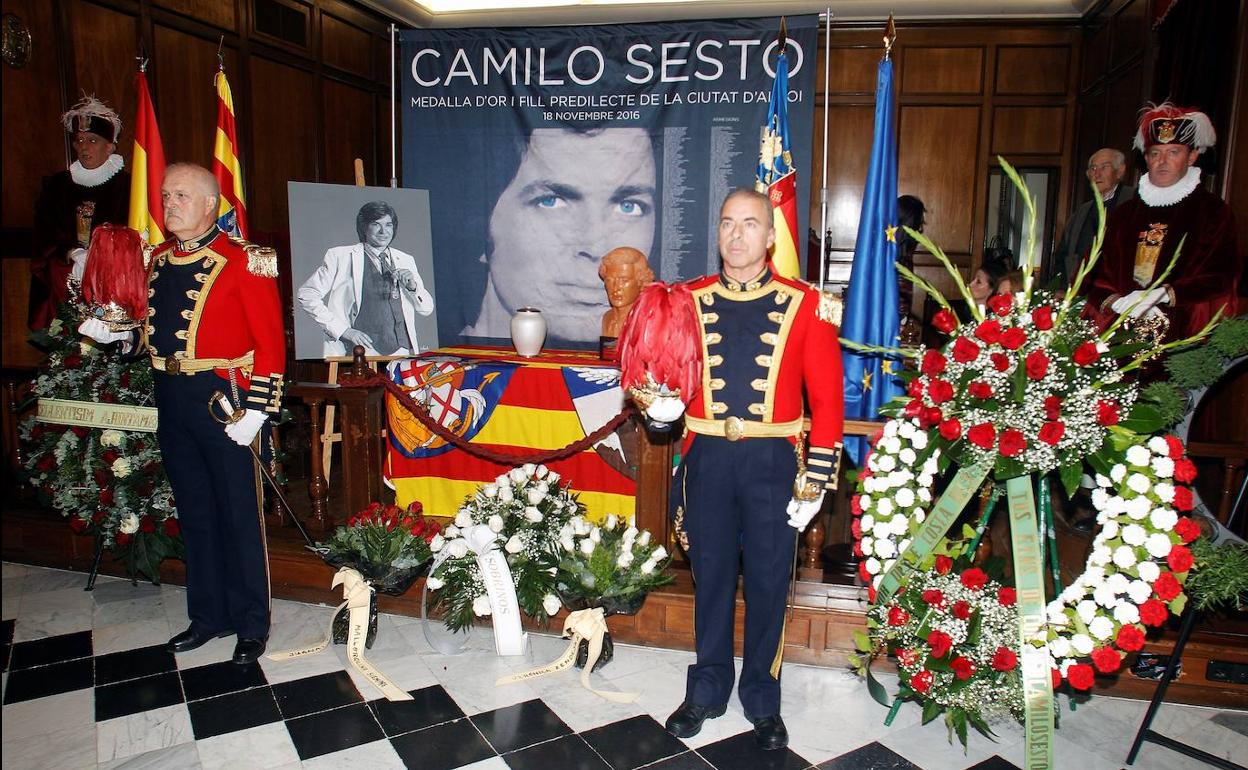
193, 638
686, 721
770, 733
248, 651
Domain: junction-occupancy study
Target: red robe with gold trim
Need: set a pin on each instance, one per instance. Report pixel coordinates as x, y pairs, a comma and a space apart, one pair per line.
1207, 274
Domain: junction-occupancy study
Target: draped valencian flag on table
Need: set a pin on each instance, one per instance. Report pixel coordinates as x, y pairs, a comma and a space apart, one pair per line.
226, 167
147, 214
506, 404
871, 303
776, 174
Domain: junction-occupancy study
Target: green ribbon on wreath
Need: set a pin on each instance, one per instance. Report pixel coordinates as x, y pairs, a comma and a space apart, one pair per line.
1033, 661
947, 509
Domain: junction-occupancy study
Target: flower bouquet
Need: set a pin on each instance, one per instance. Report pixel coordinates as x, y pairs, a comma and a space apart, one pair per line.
521, 514
390, 547
109, 483
612, 567
955, 637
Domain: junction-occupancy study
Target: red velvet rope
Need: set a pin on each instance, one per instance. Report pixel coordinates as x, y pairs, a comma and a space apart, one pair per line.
503, 458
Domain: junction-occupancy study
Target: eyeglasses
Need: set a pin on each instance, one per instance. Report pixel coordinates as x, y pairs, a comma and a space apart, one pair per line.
1092, 167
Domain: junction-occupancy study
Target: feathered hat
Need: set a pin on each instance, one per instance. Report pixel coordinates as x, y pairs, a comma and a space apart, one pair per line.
114, 283
95, 116
1167, 124
660, 347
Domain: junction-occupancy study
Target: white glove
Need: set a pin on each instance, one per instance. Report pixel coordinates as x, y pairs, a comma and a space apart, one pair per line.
99, 331
802, 511
244, 431
79, 258
1140, 301
666, 409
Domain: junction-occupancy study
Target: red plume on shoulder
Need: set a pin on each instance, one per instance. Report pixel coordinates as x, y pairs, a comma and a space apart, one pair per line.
660, 341
115, 273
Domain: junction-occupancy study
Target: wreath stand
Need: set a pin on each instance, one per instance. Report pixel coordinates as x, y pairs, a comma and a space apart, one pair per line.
1146, 732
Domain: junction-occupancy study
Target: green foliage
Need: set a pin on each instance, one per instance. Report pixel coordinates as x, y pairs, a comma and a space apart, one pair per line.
1170, 402
1220, 579
1230, 339
1195, 368
384, 543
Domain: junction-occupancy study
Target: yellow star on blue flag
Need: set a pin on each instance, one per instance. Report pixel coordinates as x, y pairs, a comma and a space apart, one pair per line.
890, 232
866, 381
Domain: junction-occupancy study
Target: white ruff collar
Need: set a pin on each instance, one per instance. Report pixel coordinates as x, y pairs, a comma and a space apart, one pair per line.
94, 177
1168, 196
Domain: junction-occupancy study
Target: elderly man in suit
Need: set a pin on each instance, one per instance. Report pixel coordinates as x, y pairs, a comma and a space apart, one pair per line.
368, 293
1106, 168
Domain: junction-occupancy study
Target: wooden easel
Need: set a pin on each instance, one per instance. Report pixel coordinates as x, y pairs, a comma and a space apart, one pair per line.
328, 435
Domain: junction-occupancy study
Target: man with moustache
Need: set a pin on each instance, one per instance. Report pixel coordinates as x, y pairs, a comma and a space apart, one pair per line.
94, 190
1142, 234
766, 339
214, 324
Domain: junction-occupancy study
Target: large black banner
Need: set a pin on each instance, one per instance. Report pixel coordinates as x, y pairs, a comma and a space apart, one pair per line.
544, 148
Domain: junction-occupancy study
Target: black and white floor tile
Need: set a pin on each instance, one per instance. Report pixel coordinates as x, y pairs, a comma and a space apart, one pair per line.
87, 684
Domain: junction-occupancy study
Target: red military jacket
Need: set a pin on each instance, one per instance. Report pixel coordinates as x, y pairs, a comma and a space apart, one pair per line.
763, 343
213, 303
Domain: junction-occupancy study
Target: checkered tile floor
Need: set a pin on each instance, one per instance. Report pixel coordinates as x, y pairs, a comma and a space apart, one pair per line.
87, 684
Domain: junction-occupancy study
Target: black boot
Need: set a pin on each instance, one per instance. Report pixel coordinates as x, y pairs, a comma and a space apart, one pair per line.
686, 721
770, 733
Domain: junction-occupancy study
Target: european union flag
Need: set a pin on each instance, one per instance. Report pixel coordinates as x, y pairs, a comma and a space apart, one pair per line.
871, 314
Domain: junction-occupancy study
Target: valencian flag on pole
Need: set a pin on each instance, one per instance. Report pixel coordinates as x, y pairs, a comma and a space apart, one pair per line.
871, 303
776, 174
226, 167
147, 214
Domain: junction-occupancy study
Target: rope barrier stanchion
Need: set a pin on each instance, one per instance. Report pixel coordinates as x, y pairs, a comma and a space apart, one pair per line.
504, 458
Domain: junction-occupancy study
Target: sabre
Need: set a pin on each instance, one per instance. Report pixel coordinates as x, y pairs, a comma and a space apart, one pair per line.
219, 400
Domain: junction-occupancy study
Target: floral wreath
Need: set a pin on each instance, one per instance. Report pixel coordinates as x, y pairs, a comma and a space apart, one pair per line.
1027, 386
109, 483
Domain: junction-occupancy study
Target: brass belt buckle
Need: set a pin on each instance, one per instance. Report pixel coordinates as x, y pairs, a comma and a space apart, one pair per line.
734, 428
173, 366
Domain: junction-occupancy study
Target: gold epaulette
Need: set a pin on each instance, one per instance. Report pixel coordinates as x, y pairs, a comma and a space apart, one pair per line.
261, 260
830, 308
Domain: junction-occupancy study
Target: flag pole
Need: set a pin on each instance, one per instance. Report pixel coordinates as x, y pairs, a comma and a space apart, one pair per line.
823, 190
394, 176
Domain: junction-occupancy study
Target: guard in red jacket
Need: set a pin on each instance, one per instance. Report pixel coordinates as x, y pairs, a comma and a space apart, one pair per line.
740, 490
214, 324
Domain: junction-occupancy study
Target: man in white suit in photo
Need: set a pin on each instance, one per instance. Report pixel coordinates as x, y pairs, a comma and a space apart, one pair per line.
368, 293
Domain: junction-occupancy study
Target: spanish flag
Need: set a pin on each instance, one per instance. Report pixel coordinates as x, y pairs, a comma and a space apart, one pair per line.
147, 215
777, 177
226, 167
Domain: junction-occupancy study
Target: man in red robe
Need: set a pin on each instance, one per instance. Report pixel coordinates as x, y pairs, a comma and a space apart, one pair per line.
1141, 235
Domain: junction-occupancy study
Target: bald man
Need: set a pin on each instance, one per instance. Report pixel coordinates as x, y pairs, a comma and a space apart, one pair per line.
214, 324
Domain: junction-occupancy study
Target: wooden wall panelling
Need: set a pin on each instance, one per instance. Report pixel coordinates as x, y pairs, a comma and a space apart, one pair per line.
1032, 130
1125, 95
1089, 137
218, 13
32, 132
942, 70
105, 44
350, 134
287, 149
850, 131
1131, 32
938, 154
852, 71
1095, 54
182, 72
346, 46
1033, 70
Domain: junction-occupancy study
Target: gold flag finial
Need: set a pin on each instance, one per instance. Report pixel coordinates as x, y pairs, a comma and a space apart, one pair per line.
890, 36
783, 38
